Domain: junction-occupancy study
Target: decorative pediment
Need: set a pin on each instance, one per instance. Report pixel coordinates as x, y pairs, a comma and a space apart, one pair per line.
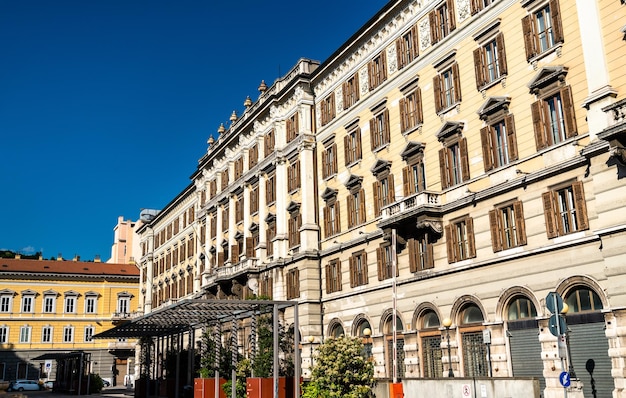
546, 76
125, 294
48, 292
380, 166
329, 193
71, 293
5, 292
28, 292
448, 129
254, 227
353, 181
225, 243
91, 293
238, 235
492, 105
271, 217
293, 206
411, 149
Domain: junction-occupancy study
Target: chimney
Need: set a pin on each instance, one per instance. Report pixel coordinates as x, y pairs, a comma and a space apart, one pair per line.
59, 257
97, 259
76, 258
40, 257
18, 256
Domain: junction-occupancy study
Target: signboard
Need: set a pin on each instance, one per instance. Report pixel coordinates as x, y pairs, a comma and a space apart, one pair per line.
565, 379
557, 325
487, 336
466, 391
554, 302
562, 345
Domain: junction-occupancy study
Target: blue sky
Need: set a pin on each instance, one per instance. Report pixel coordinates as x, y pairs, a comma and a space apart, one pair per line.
106, 105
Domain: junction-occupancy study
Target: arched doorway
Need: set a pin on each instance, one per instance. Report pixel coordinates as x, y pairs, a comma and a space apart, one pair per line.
389, 351
474, 351
522, 328
588, 343
430, 344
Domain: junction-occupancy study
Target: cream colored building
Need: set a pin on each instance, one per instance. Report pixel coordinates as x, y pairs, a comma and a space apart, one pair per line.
475, 147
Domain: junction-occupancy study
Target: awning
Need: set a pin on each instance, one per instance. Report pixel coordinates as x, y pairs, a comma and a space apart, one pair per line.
58, 355
186, 314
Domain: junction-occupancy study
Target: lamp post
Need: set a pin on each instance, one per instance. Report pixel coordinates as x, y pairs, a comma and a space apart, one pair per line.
570, 365
367, 332
311, 340
447, 323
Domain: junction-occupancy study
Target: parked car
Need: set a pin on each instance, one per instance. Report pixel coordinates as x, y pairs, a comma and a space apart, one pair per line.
48, 385
24, 385
106, 383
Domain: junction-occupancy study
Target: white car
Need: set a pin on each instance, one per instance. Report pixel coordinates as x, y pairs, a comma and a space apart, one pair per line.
24, 385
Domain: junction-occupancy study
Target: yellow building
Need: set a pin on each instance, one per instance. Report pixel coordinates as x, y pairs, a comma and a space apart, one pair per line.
55, 307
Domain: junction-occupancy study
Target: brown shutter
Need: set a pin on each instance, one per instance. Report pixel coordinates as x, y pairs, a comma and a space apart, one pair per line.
333, 165
581, 205
450, 243
437, 93
464, 159
400, 51
326, 221
359, 147
362, 206
406, 185
415, 41
443, 168
413, 254
550, 214
328, 278
509, 124
350, 204
337, 218
451, 14
249, 247
520, 224
383, 66
356, 87
529, 36
380, 259
386, 134
234, 250
557, 27
370, 74
495, 230
471, 243
418, 99
220, 259
392, 189
345, 94
404, 123
475, 6
346, 149
479, 68
501, 54
430, 257
432, 19
373, 134
352, 263
457, 82
568, 111
377, 197
324, 163
537, 115
485, 140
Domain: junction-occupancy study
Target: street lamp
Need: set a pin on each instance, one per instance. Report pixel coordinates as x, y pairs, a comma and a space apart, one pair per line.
367, 332
447, 323
570, 365
311, 340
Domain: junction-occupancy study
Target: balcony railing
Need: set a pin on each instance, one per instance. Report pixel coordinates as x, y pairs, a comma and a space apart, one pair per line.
121, 316
229, 271
409, 203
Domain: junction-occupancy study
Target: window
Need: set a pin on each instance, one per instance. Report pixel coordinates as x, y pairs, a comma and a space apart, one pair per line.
356, 208
89, 333
4, 334
352, 145
333, 276
454, 163
238, 167
292, 127
431, 344
25, 334
377, 70
254, 199
441, 21
294, 224
583, 299
499, 143
224, 184
384, 256
420, 253
477, 5
212, 189
270, 233
293, 175
490, 62
542, 29
565, 210
358, 269
507, 226
460, 240
553, 118
332, 220
379, 130
225, 219
70, 304
46, 334
269, 142
123, 305
414, 174
270, 189
253, 156
350, 91
239, 208
521, 308
411, 111
384, 192
68, 334
474, 352
329, 160
266, 285
28, 303
327, 109
5, 303
293, 284
213, 226
90, 304
407, 47
447, 88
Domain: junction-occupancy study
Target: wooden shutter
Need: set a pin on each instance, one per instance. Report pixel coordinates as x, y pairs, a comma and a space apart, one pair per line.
413, 254
400, 52
359, 148
333, 164
520, 225
328, 278
234, 251
457, 82
356, 93
386, 134
432, 19
437, 93
333, 110
404, 123
501, 54
509, 125
377, 198
479, 68
380, 259
337, 226
220, 259
465, 173
415, 42
443, 168
581, 206
406, 184
475, 6
351, 212
451, 14
383, 66
538, 124
362, 206
345, 94
549, 211
370, 74
352, 271
471, 243
529, 36
346, 149
494, 226
249, 247
392, 189
485, 140
326, 221
568, 112
557, 27
325, 171
430, 256
373, 134
450, 243
418, 105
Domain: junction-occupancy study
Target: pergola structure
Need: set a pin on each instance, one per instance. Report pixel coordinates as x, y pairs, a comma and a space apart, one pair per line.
187, 315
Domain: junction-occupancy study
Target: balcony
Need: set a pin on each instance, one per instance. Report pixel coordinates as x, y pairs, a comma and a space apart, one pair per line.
427, 203
615, 134
230, 271
117, 317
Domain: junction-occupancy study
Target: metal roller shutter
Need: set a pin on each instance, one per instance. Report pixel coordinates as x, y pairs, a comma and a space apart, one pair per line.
589, 349
526, 354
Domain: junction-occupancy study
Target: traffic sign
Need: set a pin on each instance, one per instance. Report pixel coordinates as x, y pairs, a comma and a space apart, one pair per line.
557, 325
554, 302
565, 379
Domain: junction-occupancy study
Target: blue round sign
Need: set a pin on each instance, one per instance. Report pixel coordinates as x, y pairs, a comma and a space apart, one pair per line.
565, 379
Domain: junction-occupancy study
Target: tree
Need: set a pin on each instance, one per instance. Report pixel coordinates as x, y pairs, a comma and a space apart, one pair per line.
341, 371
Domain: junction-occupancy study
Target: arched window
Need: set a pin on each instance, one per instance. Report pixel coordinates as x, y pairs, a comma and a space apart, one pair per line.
474, 352
430, 320
521, 307
471, 314
583, 299
431, 344
361, 329
336, 330
399, 351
